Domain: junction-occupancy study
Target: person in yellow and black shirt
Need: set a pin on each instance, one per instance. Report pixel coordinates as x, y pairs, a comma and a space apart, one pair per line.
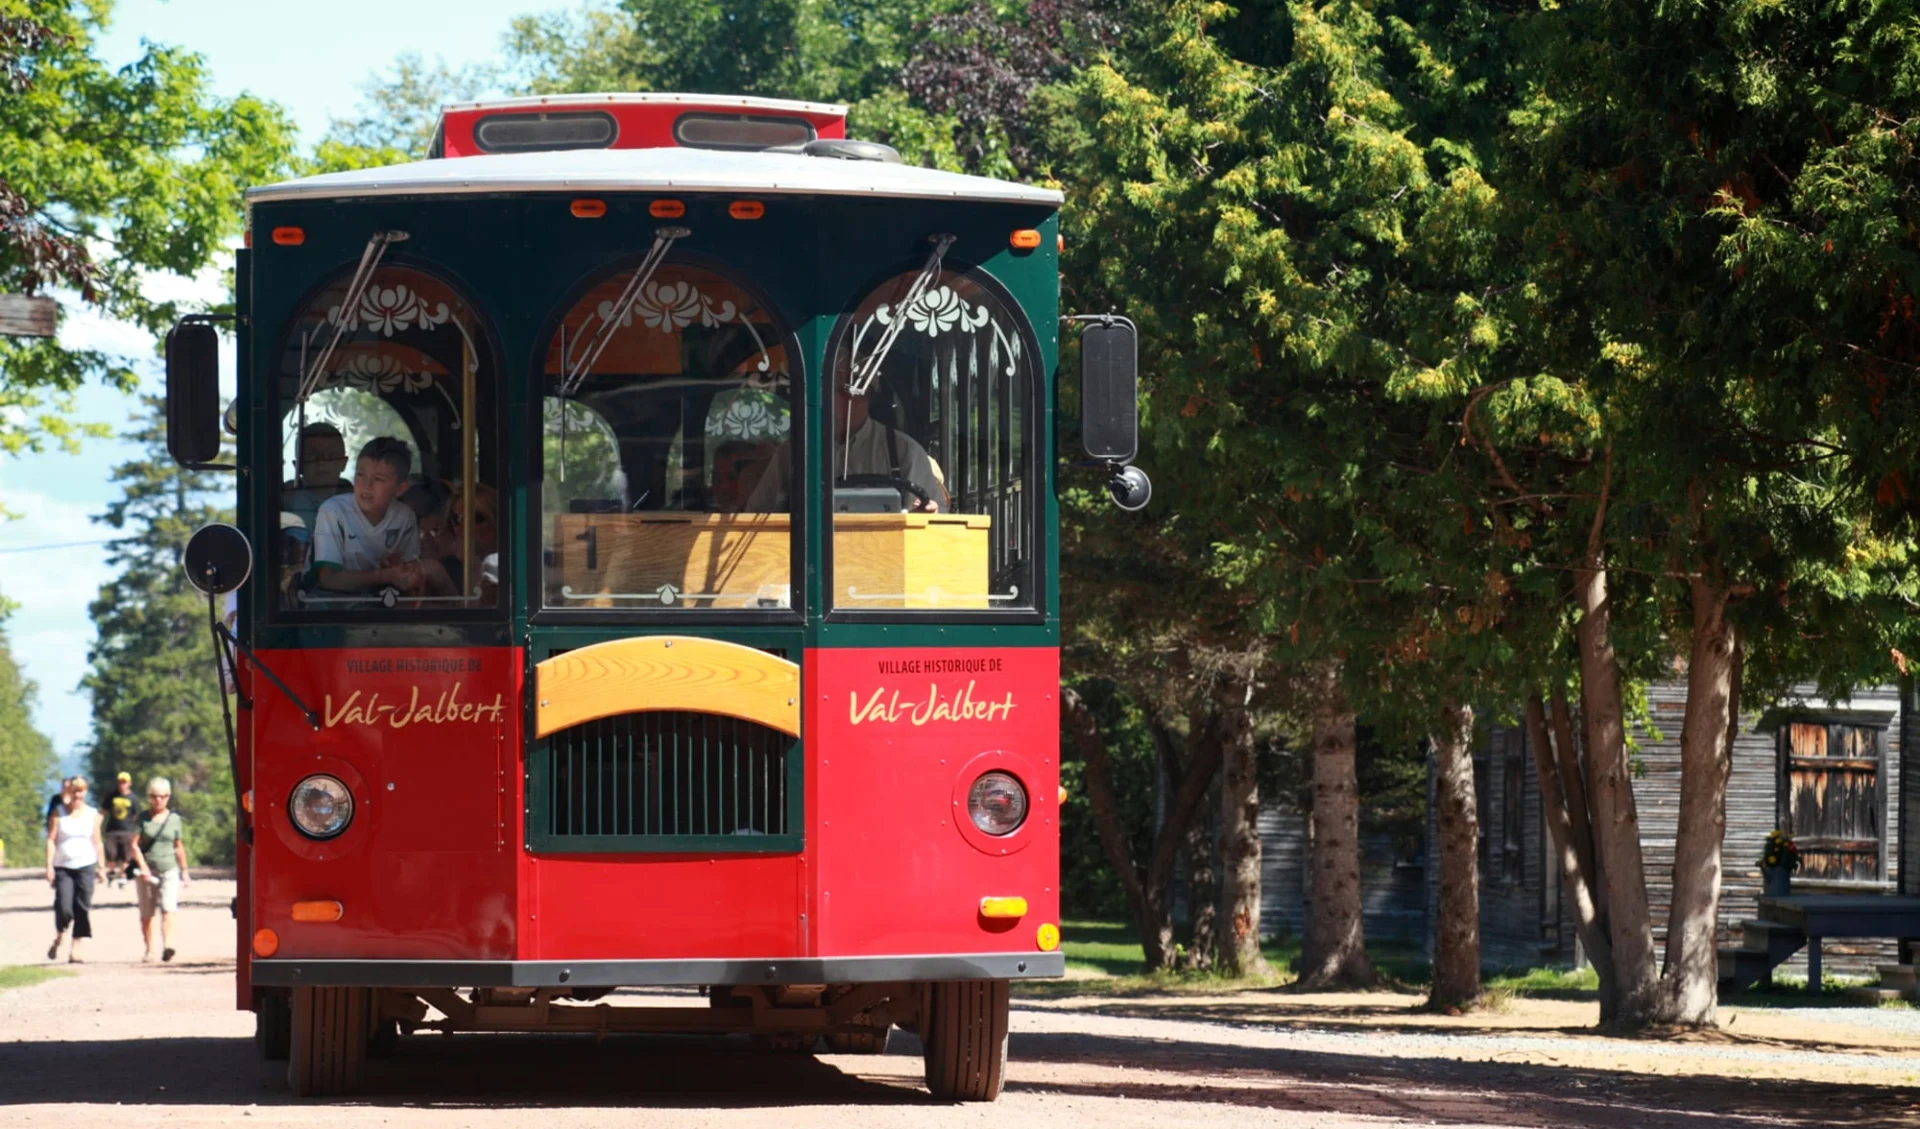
120, 822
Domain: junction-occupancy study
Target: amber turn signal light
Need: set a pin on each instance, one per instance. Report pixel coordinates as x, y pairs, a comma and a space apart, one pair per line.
666, 209
746, 209
318, 911
1003, 907
265, 942
289, 236
1024, 240
1047, 937
246, 801
589, 209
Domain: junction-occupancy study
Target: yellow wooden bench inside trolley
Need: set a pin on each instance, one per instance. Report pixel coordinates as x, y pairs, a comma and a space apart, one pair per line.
666, 672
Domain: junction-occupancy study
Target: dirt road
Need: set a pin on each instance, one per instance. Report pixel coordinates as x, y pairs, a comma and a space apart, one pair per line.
143, 1045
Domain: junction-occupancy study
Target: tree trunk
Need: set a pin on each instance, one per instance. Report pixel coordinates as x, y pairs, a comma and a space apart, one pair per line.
1563, 806
1092, 747
1335, 950
1203, 894
1456, 944
1616, 821
1692, 973
1147, 895
1239, 841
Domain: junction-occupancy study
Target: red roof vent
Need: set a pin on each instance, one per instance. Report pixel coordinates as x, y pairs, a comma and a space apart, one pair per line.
633, 121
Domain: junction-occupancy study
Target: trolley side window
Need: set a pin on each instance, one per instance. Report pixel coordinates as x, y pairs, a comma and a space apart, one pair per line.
930, 448
666, 403
386, 418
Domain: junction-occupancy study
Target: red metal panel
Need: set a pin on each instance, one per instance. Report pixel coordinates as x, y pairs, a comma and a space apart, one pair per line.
426, 870
643, 907
891, 733
641, 125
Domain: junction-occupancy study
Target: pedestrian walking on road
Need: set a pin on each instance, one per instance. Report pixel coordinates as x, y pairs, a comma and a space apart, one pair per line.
73, 859
122, 822
162, 849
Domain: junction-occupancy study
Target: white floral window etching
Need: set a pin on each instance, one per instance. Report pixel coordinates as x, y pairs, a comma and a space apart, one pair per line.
669, 306
752, 414
396, 302
940, 311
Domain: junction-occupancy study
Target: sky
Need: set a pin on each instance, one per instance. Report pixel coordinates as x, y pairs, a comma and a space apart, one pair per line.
312, 61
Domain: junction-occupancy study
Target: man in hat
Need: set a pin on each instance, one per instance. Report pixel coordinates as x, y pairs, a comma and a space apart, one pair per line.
120, 822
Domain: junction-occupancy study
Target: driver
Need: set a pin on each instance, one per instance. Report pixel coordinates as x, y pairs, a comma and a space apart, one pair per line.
860, 445
369, 539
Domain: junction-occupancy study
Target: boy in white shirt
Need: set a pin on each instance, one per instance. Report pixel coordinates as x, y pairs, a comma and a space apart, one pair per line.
366, 540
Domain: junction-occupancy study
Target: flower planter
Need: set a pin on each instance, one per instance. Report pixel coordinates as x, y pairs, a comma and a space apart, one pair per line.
1778, 879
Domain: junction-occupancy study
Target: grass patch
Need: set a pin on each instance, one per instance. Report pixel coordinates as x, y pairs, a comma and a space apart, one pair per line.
27, 975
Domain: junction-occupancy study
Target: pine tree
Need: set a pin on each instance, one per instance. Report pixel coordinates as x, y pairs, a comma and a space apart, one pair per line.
156, 705
26, 761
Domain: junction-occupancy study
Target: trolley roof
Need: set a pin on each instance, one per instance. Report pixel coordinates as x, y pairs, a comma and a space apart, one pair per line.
656, 170
649, 98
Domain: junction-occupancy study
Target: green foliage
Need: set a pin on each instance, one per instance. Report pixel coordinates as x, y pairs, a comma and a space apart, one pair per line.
401, 110
155, 688
108, 177
26, 763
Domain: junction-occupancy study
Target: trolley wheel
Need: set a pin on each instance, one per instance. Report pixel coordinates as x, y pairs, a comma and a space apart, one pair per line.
871, 1042
272, 1024
329, 1045
964, 1031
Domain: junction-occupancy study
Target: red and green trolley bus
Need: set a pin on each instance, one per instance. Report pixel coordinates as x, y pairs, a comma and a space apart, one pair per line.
653, 582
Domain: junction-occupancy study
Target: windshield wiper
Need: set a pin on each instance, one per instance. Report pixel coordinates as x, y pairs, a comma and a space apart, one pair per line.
574, 374
863, 377
369, 262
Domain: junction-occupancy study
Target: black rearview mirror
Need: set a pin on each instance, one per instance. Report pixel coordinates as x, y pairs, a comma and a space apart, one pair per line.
193, 393
1109, 390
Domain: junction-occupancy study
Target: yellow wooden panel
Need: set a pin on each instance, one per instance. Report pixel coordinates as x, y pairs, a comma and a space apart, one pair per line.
709, 560
911, 560
666, 672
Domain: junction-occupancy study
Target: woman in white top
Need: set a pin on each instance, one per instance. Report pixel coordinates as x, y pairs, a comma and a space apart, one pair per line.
73, 859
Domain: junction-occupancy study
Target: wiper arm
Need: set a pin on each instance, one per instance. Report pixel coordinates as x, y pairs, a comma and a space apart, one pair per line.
376, 249
576, 372
869, 369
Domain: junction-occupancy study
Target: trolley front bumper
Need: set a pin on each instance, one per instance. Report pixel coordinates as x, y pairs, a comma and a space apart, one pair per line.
291, 972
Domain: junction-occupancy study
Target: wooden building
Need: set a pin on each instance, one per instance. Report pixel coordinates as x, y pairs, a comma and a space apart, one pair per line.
1831, 772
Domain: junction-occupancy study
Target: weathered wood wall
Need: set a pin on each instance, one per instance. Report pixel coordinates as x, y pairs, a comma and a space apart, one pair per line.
1391, 887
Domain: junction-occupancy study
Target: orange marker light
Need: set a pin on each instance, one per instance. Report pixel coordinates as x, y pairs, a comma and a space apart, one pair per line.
1003, 907
246, 801
666, 209
318, 911
265, 943
1060, 244
1024, 240
289, 236
589, 209
1047, 937
246, 239
746, 209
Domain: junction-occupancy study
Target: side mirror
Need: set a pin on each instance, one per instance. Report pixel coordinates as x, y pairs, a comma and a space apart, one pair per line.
1110, 390
193, 393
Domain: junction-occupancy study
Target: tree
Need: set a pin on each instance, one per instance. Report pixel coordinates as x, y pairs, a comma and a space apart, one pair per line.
155, 690
107, 177
402, 108
26, 761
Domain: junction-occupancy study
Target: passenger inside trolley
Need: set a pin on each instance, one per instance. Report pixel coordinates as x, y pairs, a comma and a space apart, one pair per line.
867, 455
321, 457
369, 539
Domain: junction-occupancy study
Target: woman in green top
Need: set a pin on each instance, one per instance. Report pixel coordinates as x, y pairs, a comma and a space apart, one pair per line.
164, 846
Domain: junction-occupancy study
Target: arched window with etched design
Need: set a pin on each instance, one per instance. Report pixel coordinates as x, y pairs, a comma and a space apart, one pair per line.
388, 495
931, 447
674, 381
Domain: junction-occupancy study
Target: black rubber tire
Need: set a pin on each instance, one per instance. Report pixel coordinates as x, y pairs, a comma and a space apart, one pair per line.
272, 1025
328, 1051
873, 1042
964, 1033
383, 1038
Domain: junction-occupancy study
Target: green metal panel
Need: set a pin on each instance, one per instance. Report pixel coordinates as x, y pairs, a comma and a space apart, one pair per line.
519, 258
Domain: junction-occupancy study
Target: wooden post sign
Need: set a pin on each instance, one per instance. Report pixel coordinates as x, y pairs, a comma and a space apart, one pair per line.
22, 315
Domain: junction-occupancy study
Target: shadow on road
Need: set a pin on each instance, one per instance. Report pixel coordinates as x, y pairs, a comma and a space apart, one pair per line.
465, 1070
1444, 1090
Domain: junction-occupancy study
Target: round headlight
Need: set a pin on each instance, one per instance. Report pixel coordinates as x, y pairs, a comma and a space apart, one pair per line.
321, 807
997, 803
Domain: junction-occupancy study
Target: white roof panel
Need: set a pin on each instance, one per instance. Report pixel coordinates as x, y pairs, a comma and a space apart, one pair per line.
653, 170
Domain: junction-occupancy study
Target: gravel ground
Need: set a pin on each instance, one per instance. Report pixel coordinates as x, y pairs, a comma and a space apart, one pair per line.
160, 1045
